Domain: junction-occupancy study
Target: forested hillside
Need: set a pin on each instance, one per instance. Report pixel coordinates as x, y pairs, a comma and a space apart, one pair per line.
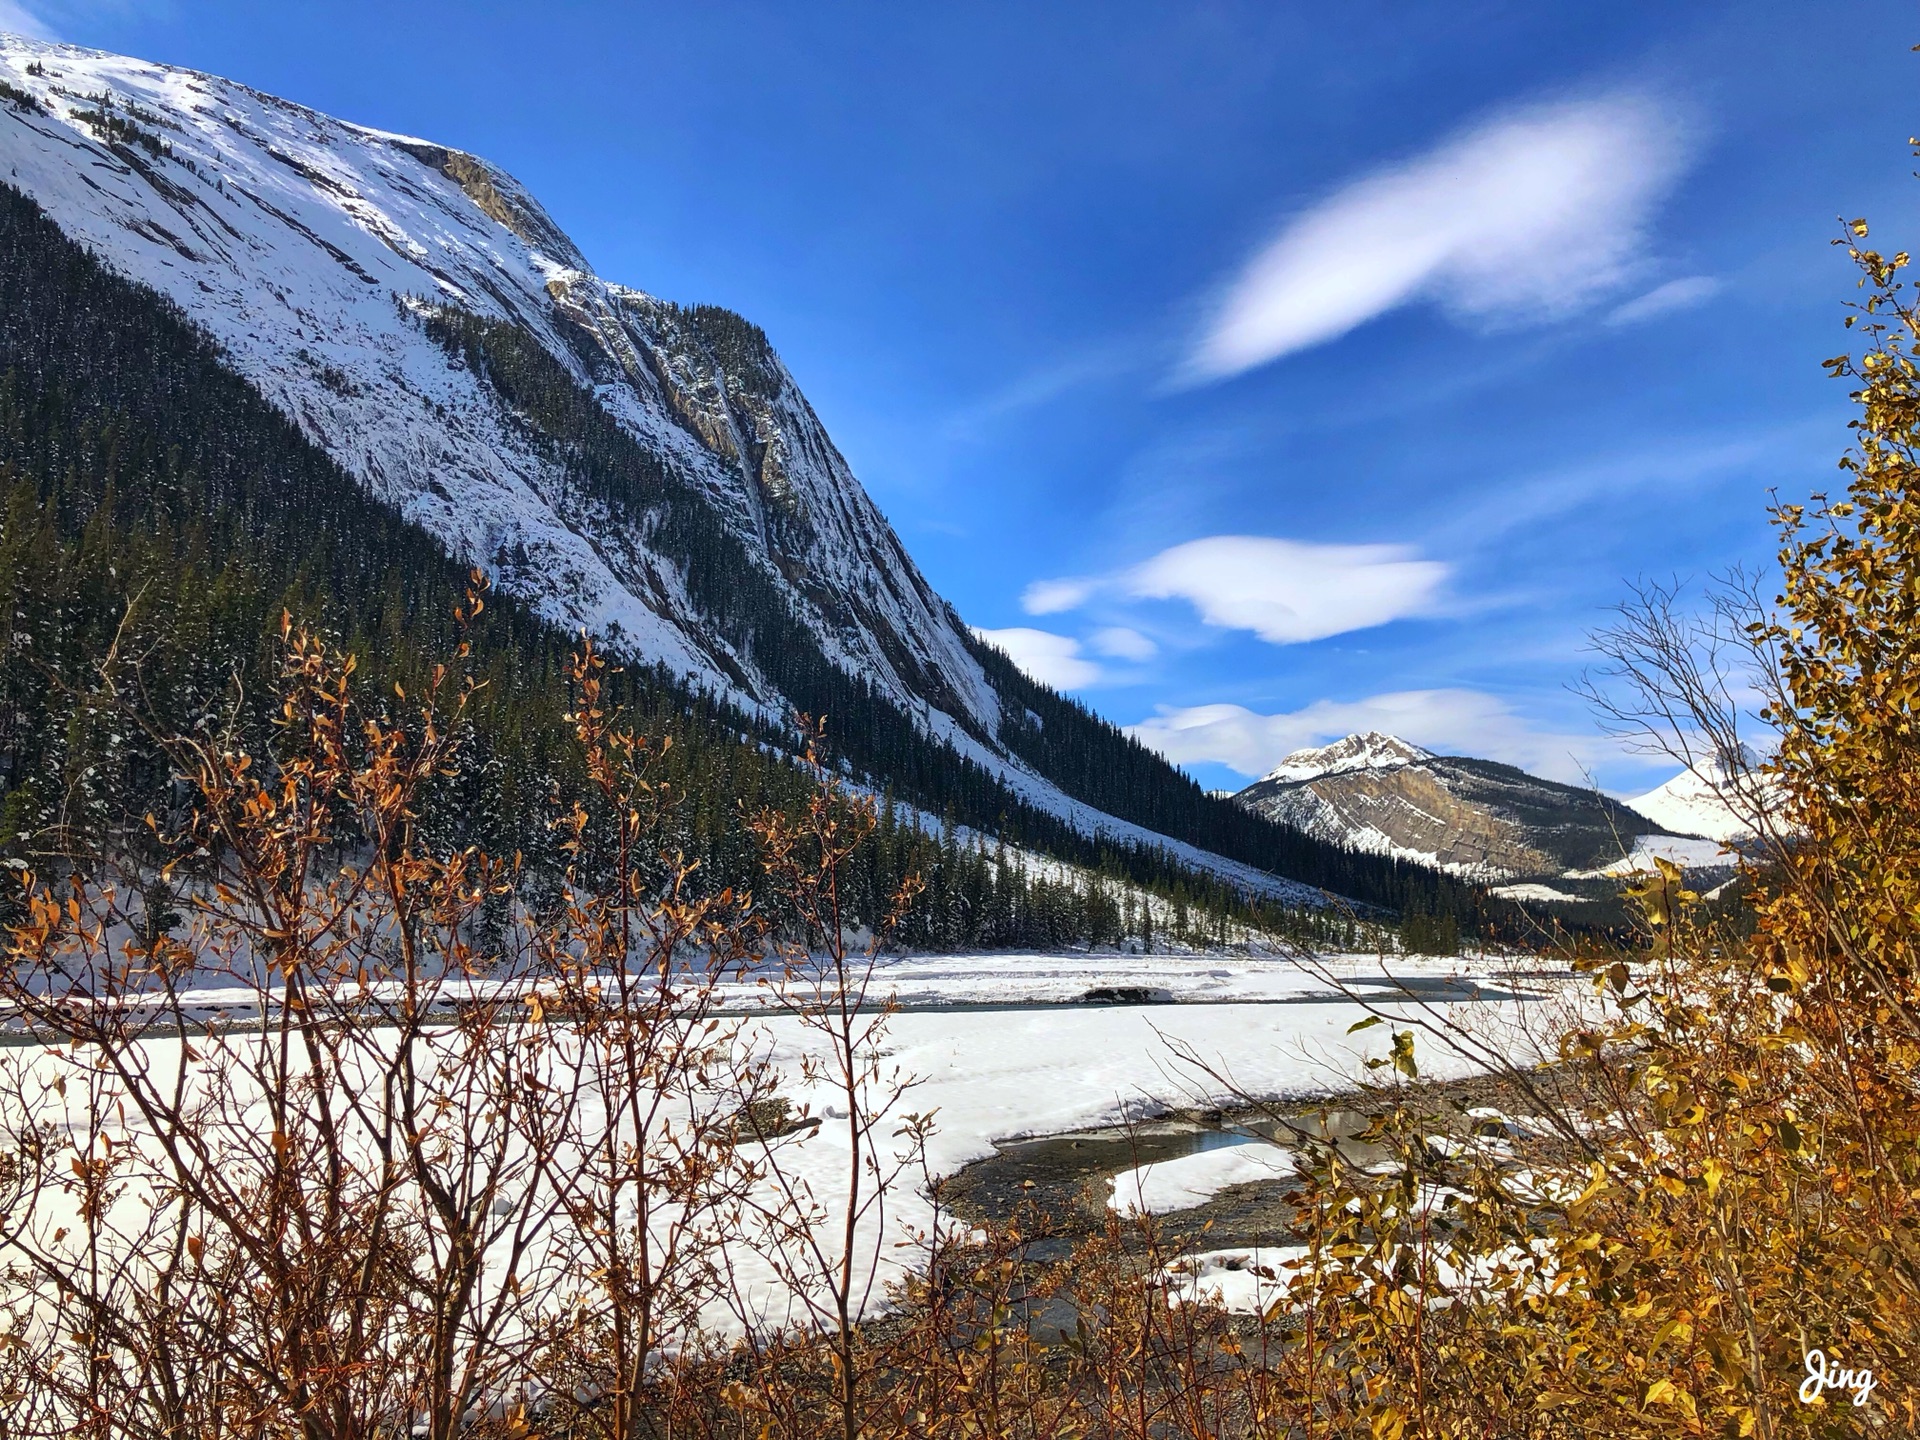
158, 509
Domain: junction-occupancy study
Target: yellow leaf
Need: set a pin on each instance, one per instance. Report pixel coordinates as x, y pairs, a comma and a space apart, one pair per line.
1595, 1184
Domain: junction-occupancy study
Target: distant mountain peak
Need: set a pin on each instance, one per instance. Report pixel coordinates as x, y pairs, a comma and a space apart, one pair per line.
1707, 799
1378, 793
1368, 751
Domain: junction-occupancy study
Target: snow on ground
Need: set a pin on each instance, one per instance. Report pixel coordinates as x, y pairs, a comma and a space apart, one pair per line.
1003, 980
1249, 1280
917, 981
1688, 854
996, 1074
1252, 1280
994, 1055
999, 1074
1195, 1179
1533, 891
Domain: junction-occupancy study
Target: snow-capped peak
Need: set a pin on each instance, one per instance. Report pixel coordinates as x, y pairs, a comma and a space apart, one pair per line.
338, 267
1706, 800
1371, 751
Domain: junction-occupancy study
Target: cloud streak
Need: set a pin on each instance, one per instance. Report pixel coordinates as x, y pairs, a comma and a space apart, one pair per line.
1529, 216
1285, 591
1450, 722
1681, 294
17, 19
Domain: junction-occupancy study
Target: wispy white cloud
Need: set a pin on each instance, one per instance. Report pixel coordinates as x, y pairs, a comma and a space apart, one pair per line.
1529, 216
1284, 591
1041, 387
1449, 722
1682, 294
1051, 659
1123, 643
1288, 592
18, 19
1051, 597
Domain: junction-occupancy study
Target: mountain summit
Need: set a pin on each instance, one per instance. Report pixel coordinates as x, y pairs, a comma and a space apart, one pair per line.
1379, 793
294, 362
1371, 751
604, 454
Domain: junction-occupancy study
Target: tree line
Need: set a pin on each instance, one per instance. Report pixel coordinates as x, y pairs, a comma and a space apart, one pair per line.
156, 513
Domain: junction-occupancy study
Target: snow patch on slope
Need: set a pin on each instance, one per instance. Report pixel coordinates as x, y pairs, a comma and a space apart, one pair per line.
313, 250
1687, 852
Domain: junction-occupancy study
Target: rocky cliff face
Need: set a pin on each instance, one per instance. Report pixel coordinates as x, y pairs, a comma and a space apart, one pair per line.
1474, 817
318, 253
646, 471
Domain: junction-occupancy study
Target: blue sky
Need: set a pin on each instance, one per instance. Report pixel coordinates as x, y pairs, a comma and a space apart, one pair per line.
1259, 372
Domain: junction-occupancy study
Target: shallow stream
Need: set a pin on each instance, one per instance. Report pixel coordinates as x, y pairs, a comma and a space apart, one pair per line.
1059, 1185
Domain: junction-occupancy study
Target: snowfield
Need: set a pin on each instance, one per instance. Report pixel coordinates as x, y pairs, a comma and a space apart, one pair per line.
990, 1049
1687, 853
1031, 1066
1041, 1068
1192, 1180
1013, 979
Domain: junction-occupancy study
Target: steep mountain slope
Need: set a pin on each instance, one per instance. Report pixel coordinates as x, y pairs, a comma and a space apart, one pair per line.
617, 462
1473, 817
1692, 803
318, 254
154, 508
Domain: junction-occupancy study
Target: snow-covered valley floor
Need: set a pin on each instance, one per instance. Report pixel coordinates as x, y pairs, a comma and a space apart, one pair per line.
1001, 1046
1004, 1058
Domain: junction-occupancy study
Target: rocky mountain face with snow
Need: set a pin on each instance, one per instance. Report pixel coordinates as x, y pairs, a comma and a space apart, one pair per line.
432, 364
1474, 817
423, 319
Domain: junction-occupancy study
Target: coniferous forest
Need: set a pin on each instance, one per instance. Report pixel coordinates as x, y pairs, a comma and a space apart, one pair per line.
159, 517
423, 1019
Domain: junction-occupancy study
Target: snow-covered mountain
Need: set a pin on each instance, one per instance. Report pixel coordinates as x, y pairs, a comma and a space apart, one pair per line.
1379, 793
1371, 751
1696, 803
644, 470
319, 252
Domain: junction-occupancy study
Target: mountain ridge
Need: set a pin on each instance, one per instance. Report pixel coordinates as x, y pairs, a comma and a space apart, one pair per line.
641, 469
1479, 818
317, 252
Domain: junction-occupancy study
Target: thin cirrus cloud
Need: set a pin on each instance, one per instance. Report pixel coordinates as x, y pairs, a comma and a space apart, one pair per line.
1285, 591
1529, 216
18, 19
1449, 722
1681, 294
